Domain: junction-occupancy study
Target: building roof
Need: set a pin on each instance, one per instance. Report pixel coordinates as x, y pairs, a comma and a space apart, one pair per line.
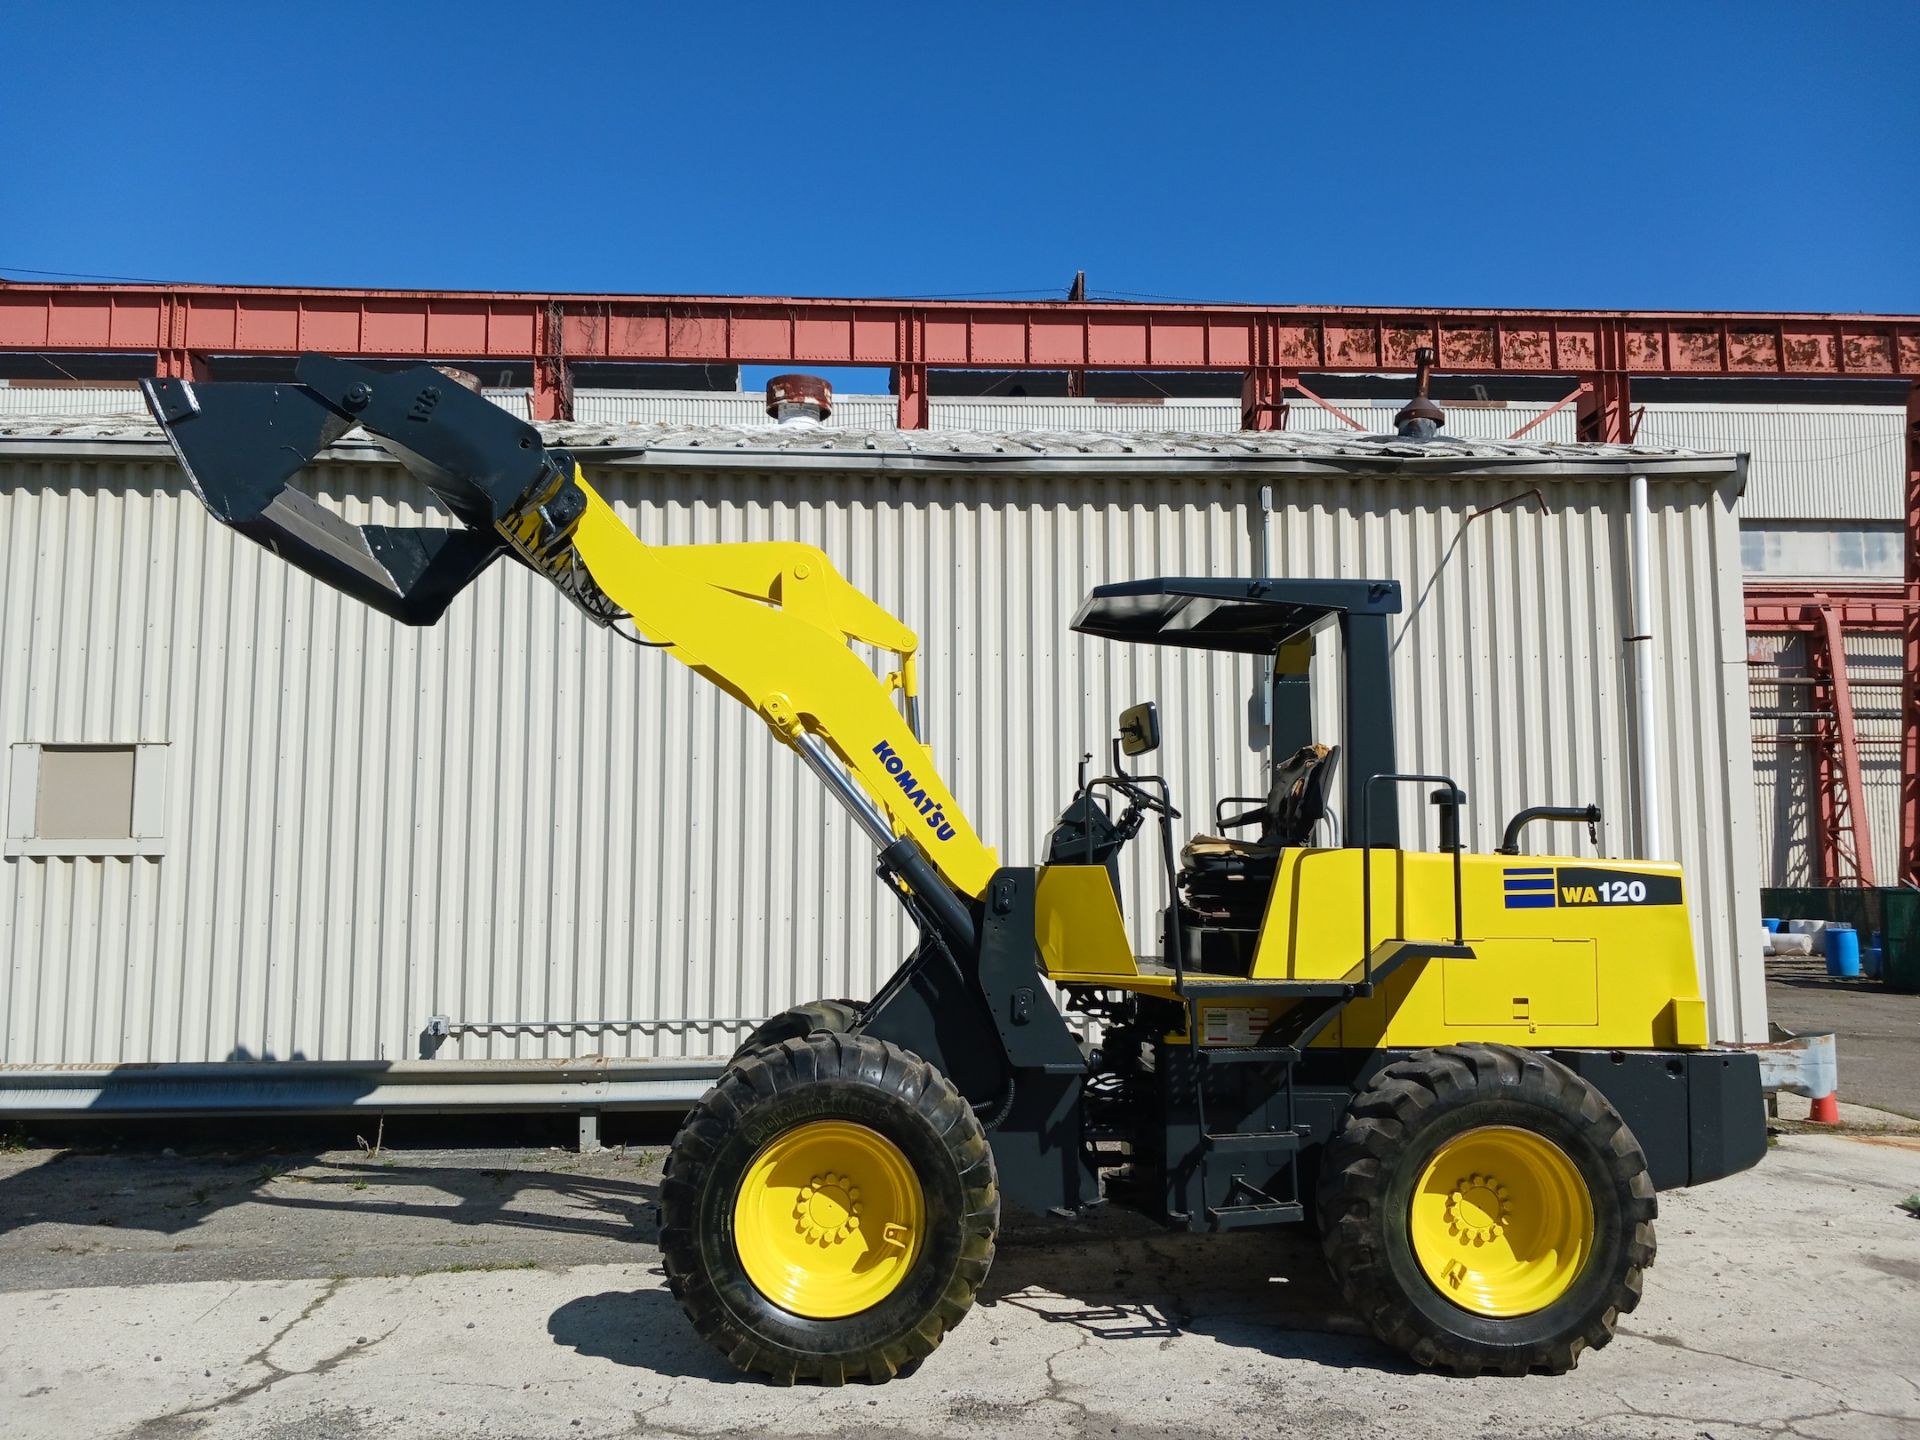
1054, 451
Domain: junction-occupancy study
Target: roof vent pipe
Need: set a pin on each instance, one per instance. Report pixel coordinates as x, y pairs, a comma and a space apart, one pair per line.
1420, 418
799, 399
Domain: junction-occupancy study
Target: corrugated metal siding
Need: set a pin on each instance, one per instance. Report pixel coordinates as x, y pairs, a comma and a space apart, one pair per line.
516, 402
1877, 726
1487, 422
997, 413
1018, 412
126, 400
1784, 796
1782, 769
71, 400
718, 407
1810, 462
509, 818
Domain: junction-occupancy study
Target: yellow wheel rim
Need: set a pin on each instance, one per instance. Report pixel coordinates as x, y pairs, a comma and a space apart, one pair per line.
1501, 1221
829, 1219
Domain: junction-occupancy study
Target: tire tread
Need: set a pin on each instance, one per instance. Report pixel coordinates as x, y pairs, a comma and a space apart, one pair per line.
764, 1072
1360, 1164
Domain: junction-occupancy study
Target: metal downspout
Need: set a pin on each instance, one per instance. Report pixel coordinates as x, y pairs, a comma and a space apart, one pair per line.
1263, 570
1640, 657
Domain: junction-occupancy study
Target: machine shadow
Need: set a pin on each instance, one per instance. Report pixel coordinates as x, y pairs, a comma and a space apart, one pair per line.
274, 1166
1119, 1278
643, 1329
1116, 1278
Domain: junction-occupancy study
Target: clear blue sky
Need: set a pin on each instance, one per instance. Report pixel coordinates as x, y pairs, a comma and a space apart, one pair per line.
1746, 156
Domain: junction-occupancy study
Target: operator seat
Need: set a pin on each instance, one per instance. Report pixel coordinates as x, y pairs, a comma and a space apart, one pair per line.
1227, 880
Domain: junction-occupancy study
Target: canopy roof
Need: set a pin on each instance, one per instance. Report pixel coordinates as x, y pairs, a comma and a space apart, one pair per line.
1246, 616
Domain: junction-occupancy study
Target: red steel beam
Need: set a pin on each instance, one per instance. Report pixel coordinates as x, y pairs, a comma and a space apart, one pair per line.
1825, 616
959, 334
1826, 805
1843, 854
180, 322
1910, 691
1842, 814
1780, 609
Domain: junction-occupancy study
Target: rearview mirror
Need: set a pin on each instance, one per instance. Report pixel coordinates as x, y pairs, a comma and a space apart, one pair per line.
1140, 728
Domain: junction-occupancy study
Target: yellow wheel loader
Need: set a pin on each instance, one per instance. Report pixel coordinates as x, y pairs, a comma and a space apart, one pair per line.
1474, 1072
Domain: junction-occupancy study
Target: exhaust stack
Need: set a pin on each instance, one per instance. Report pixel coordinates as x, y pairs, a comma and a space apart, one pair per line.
1420, 418
799, 399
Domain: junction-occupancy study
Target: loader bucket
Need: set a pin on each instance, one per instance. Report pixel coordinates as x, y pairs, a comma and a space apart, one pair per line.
242, 445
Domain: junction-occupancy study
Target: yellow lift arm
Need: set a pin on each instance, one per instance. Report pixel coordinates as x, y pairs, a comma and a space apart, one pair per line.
772, 624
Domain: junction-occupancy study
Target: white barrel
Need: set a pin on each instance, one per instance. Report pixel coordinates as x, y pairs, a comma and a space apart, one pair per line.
1814, 930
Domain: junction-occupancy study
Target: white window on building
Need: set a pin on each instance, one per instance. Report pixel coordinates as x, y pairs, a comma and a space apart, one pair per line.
73, 801
1821, 549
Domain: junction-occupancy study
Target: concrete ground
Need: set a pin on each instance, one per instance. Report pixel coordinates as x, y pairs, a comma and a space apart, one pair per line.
1877, 1031
518, 1293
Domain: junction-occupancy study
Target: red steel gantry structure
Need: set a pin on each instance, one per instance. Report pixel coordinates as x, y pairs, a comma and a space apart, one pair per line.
1270, 346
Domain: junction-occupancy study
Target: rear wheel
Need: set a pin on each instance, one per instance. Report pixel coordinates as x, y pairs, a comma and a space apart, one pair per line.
828, 1210
1485, 1208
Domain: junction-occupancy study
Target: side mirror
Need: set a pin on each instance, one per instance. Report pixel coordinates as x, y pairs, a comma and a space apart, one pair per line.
1140, 728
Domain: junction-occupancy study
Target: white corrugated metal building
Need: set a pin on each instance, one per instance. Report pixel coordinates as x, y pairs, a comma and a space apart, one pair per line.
345, 827
1823, 504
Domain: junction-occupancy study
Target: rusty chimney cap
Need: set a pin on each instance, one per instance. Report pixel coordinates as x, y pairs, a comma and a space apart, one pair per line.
1420, 418
799, 397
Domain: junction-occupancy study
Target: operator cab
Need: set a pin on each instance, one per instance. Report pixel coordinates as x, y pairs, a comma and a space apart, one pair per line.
1222, 879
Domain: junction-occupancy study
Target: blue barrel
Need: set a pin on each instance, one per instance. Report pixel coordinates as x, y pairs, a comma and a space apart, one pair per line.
1870, 958
1843, 951
1773, 926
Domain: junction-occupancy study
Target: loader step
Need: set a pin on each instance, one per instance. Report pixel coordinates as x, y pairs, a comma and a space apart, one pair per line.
1248, 1055
1251, 1142
1248, 1217
1207, 987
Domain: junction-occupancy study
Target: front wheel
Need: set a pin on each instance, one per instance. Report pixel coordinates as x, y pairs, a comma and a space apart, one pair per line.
1485, 1208
835, 1016
828, 1210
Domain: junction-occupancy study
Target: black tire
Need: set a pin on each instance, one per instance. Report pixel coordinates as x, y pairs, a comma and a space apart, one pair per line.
836, 1017
827, 1076
1397, 1123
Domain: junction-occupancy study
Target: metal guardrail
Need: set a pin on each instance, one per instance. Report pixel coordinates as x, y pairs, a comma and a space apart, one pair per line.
1807, 1065
322, 1087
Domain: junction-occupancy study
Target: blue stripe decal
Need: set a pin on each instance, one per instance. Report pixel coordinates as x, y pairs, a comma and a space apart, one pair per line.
1530, 902
1534, 870
1518, 885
